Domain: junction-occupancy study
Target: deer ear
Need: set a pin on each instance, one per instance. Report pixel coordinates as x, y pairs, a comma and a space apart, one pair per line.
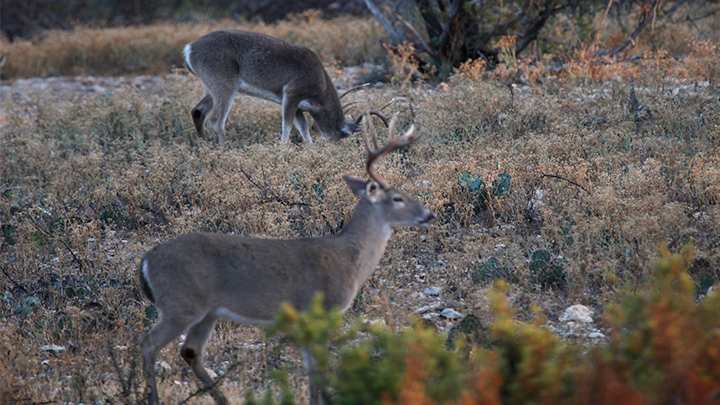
356, 185
372, 190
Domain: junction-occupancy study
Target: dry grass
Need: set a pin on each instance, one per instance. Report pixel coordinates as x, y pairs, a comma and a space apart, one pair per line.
91, 183
158, 48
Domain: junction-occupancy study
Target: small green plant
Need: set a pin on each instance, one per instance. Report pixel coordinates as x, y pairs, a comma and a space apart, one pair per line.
493, 270
478, 190
471, 182
9, 233
547, 271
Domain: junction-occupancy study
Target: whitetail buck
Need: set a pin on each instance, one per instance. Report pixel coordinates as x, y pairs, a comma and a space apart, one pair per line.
227, 62
198, 278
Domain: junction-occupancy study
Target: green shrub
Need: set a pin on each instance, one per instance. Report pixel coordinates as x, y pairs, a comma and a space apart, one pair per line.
663, 346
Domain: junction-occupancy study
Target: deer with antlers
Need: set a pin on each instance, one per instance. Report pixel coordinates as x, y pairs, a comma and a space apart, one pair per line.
198, 278
258, 65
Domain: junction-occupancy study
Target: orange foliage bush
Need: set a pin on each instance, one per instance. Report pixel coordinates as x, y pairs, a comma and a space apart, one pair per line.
664, 348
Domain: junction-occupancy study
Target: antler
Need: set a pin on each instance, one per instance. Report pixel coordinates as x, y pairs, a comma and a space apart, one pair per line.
348, 106
378, 112
353, 89
393, 143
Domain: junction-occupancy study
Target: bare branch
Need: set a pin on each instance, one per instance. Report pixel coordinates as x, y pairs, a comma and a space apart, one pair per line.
532, 33
500, 27
432, 24
218, 382
454, 10
555, 176
47, 233
266, 191
396, 36
424, 45
18, 285
646, 20
597, 34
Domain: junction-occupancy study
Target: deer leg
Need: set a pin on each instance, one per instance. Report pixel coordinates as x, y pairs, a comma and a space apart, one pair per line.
200, 112
158, 337
192, 352
289, 113
317, 395
302, 126
223, 98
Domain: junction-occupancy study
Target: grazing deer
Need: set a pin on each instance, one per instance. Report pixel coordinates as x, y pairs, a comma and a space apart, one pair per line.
227, 62
198, 278
3, 62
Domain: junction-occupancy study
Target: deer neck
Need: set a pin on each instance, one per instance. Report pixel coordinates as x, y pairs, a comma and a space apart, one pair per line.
367, 235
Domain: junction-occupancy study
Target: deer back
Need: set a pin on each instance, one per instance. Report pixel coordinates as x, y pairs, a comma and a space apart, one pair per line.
257, 60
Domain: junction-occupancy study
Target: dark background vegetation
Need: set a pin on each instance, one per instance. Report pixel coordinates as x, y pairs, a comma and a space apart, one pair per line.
25, 18
443, 33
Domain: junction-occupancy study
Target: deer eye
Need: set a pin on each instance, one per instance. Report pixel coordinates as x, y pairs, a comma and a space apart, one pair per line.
398, 199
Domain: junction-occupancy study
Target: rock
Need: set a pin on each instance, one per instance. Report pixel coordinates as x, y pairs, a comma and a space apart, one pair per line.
432, 291
424, 309
596, 335
578, 313
163, 366
450, 313
55, 350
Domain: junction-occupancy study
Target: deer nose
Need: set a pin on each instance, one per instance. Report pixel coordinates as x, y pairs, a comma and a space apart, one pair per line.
430, 217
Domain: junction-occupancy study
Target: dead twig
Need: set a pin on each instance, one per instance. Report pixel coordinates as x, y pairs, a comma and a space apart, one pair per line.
597, 34
49, 234
209, 388
646, 20
555, 176
267, 193
418, 37
18, 285
128, 382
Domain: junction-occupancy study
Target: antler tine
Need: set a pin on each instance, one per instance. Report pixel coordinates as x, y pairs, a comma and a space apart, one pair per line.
349, 106
393, 144
369, 127
408, 137
378, 112
353, 89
